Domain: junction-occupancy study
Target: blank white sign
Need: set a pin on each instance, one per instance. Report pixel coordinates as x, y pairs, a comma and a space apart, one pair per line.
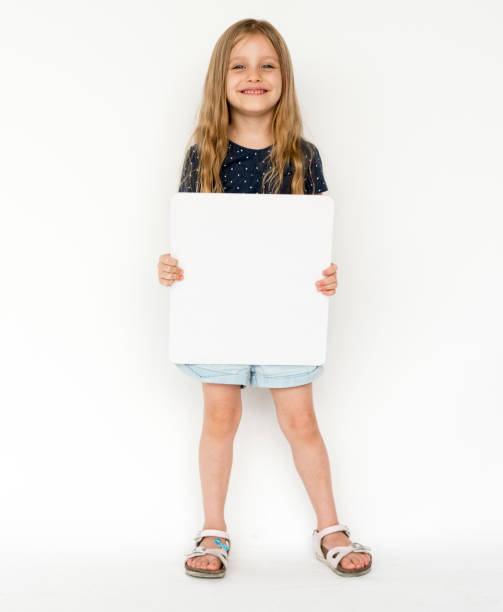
250, 265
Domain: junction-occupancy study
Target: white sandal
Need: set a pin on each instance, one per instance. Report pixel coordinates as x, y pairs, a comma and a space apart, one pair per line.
220, 553
333, 556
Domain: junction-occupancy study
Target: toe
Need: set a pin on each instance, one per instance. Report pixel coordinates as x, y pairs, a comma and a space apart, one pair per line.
347, 562
363, 560
211, 562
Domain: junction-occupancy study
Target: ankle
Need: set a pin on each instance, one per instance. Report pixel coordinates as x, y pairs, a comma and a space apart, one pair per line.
323, 524
215, 525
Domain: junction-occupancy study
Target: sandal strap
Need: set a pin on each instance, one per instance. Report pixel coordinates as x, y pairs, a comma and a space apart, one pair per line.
318, 535
202, 550
201, 533
339, 552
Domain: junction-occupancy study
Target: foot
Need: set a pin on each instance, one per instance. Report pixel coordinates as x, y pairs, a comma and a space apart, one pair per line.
207, 561
352, 561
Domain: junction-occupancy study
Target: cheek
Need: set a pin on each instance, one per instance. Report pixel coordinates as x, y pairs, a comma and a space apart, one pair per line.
278, 86
231, 84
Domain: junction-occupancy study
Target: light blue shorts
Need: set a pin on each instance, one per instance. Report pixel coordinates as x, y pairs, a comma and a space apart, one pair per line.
253, 375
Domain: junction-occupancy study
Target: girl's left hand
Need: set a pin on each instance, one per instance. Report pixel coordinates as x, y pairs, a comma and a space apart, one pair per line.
328, 284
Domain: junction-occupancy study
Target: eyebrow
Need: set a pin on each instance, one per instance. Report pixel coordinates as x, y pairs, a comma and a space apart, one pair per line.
233, 59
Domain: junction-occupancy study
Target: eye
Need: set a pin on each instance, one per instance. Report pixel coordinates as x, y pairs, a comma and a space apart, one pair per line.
241, 66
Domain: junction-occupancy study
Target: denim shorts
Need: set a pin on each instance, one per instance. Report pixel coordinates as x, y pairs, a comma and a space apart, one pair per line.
253, 375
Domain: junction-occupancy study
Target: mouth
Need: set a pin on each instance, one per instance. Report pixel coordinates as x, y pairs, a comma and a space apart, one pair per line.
254, 91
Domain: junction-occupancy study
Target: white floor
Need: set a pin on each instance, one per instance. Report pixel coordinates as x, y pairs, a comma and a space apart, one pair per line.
449, 580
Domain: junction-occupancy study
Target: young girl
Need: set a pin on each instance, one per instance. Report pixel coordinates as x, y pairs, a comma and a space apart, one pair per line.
249, 140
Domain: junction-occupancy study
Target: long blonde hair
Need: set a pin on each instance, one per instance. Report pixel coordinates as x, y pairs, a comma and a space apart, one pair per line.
210, 134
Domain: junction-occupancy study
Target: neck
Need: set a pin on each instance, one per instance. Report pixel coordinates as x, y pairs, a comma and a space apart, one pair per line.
253, 132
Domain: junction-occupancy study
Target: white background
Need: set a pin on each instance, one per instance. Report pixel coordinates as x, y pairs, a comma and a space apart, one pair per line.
100, 494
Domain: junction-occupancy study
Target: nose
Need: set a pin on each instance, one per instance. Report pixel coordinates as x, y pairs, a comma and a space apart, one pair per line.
253, 76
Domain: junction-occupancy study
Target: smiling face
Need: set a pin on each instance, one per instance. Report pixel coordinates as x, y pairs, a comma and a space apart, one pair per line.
254, 76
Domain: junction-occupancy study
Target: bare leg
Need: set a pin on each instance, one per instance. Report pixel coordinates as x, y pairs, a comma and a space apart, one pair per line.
222, 414
297, 420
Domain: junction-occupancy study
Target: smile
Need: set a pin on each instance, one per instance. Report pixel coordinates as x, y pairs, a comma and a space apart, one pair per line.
254, 92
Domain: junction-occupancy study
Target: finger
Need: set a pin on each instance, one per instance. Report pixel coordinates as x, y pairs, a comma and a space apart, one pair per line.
166, 283
168, 275
166, 268
326, 284
170, 272
328, 291
168, 259
329, 285
330, 270
326, 281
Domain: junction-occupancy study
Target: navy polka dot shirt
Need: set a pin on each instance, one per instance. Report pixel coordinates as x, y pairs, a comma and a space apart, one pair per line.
243, 169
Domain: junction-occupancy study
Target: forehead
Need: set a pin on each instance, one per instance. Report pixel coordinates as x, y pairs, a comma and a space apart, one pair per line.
253, 45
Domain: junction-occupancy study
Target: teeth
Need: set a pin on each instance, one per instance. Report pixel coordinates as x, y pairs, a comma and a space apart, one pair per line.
254, 91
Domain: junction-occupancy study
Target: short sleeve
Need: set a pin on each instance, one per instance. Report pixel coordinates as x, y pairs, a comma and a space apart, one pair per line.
189, 172
314, 181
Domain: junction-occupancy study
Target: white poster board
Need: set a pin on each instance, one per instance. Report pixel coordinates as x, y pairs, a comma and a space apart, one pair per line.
250, 265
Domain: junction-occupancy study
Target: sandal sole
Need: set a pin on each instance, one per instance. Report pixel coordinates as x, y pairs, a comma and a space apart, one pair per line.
203, 574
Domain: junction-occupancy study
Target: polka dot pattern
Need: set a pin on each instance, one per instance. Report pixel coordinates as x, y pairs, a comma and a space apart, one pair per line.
243, 169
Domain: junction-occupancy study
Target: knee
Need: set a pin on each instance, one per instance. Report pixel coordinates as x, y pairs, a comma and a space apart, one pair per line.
222, 420
300, 426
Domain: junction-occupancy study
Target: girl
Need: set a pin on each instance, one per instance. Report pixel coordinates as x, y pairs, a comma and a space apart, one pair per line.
249, 139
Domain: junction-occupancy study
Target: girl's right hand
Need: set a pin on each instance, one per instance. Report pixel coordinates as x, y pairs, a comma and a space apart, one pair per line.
168, 270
